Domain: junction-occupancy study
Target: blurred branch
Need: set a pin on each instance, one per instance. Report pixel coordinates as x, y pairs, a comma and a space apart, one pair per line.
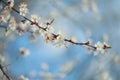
4, 73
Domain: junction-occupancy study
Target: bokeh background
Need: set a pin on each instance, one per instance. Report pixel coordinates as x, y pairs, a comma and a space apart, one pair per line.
98, 20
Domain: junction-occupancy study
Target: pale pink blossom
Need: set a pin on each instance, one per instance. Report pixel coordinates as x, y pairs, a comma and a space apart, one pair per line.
22, 78
12, 23
23, 9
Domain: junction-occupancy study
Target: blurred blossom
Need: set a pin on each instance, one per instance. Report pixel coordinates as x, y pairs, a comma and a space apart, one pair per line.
47, 76
105, 76
22, 78
88, 33
67, 67
105, 37
62, 75
35, 18
73, 39
32, 74
90, 5
99, 48
4, 16
12, 23
117, 59
24, 52
45, 66
11, 3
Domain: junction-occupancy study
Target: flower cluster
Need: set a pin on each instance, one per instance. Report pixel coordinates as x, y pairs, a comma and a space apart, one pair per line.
23, 9
35, 19
100, 48
10, 4
57, 40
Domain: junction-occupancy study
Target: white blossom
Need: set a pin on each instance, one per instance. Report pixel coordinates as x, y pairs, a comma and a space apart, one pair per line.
35, 18
45, 66
67, 66
24, 25
22, 78
24, 52
99, 48
12, 23
50, 29
23, 9
47, 76
4, 16
34, 29
10, 4
62, 75
48, 37
105, 37
105, 76
60, 39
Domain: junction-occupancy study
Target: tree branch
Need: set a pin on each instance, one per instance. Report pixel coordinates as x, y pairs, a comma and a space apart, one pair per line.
55, 35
